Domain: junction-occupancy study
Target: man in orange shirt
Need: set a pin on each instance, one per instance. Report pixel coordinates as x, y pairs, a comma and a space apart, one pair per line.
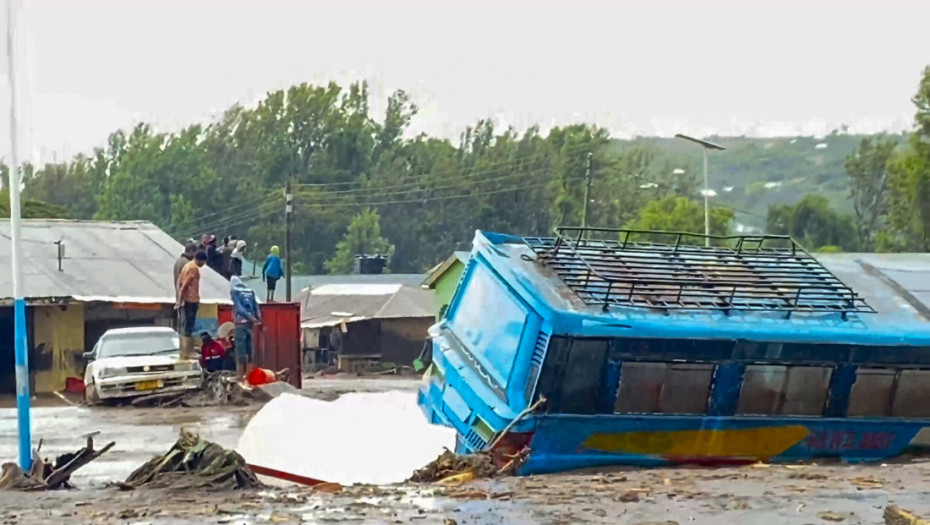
188, 300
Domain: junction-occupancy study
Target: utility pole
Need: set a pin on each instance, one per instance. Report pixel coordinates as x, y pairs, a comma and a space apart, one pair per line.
288, 212
588, 179
19, 303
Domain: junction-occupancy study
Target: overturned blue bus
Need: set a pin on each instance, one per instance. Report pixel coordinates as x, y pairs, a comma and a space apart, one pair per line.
602, 347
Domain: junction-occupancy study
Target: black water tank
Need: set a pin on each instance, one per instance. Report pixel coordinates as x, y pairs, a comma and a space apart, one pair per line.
370, 264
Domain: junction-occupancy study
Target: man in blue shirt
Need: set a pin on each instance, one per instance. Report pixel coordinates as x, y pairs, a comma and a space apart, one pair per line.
246, 315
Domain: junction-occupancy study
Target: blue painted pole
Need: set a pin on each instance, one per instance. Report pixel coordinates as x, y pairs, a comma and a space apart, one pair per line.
19, 303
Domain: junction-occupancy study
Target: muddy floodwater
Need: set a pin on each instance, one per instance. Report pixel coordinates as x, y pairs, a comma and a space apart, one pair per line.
761, 494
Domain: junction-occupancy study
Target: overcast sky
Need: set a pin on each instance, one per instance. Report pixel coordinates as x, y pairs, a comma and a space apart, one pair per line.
88, 67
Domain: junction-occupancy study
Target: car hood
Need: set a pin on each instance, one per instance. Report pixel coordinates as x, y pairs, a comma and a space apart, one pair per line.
136, 360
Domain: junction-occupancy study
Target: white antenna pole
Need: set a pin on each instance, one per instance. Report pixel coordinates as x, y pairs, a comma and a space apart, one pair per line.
19, 303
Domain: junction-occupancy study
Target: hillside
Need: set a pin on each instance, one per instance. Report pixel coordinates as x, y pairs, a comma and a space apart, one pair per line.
754, 173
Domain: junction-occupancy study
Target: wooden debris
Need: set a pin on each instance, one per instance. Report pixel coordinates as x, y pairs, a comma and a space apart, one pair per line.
195, 463
450, 465
895, 515
831, 516
50, 476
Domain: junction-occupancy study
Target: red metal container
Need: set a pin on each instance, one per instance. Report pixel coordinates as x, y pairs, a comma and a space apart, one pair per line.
277, 340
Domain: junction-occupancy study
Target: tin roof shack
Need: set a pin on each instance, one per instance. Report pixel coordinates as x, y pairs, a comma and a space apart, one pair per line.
444, 279
357, 326
104, 275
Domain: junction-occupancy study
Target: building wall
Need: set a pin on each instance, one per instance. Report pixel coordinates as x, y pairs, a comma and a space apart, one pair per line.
446, 284
58, 342
402, 339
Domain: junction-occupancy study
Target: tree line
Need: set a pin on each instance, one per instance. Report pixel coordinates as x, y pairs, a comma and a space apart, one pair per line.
362, 184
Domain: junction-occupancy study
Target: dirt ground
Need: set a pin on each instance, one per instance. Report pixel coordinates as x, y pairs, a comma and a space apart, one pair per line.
801, 494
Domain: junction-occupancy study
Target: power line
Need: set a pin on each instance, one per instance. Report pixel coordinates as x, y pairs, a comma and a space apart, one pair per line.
463, 183
238, 221
222, 222
249, 201
458, 172
447, 197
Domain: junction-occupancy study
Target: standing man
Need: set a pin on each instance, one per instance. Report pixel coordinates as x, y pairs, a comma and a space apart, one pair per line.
246, 315
185, 258
188, 300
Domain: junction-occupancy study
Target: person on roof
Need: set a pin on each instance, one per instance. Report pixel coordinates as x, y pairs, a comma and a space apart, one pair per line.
272, 271
246, 316
238, 256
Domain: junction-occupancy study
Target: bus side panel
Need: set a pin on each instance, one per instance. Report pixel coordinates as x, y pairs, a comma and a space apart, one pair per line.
566, 442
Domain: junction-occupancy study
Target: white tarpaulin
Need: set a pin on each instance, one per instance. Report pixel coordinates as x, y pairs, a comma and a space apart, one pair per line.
375, 438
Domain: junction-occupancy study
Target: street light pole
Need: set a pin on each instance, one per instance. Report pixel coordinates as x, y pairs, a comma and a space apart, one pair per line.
19, 303
706, 146
706, 203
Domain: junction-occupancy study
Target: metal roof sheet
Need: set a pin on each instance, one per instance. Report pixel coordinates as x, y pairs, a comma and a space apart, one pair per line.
328, 309
300, 282
104, 261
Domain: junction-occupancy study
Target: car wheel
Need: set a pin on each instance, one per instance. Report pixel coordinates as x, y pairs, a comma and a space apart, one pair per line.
90, 395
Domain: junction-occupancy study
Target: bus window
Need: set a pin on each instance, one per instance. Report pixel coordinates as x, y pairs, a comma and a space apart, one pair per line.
910, 399
640, 387
806, 389
687, 387
762, 390
581, 381
870, 395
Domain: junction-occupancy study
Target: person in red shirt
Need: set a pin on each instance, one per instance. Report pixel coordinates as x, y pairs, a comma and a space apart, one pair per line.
211, 353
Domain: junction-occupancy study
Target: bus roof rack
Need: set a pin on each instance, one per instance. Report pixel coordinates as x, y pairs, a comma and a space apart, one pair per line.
635, 268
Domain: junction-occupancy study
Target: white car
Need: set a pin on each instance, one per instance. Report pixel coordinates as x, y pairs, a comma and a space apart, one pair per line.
128, 362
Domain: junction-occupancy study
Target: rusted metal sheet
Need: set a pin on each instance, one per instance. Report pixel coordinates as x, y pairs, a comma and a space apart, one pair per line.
277, 340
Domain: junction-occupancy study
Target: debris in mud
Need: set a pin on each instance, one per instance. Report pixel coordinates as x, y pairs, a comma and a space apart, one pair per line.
217, 388
194, 463
831, 516
50, 476
895, 515
450, 467
866, 483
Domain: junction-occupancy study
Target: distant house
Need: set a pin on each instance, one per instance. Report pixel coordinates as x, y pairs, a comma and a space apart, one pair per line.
300, 282
109, 275
354, 324
444, 279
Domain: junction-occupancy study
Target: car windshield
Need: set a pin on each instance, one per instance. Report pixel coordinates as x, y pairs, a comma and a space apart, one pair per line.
140, 343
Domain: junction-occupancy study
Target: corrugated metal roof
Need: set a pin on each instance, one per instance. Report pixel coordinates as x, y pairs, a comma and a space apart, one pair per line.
299, 282
104, 261
329, 309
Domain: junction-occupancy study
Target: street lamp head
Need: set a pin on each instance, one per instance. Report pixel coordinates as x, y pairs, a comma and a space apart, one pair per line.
703, 143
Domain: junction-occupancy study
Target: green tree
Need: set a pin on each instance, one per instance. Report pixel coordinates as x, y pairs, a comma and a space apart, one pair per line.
363, 237
31, 208
813, 223
909, 184
867, 168
680, 214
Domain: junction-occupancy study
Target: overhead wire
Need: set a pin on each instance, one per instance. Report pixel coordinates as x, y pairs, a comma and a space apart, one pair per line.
460, 184
249, 201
